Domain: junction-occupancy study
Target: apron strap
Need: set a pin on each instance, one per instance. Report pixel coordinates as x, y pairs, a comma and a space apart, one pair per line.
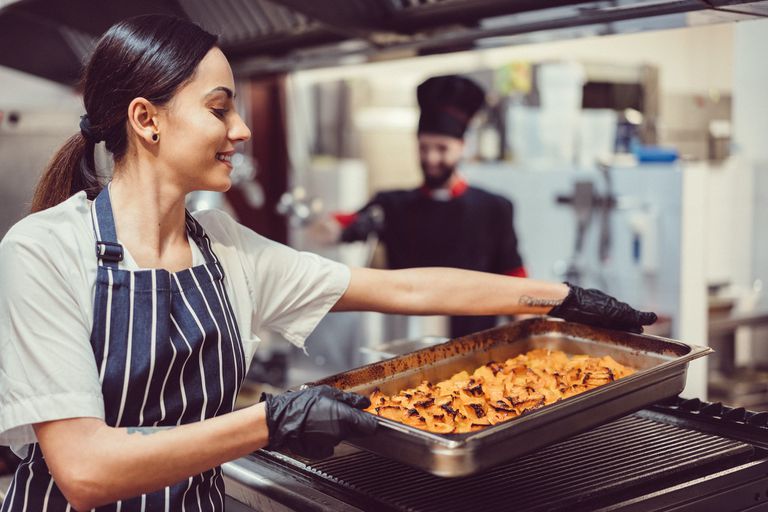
109, 252
197, 233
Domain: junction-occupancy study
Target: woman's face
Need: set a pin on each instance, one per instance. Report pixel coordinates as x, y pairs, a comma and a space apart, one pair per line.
200, 128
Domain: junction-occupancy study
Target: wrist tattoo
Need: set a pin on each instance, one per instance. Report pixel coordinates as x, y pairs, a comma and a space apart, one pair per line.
527, 300
146, 431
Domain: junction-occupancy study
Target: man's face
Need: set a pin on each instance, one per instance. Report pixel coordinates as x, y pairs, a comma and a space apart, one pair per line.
439, 155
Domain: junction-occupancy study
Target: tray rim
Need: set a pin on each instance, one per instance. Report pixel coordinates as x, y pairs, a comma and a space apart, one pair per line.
456, 442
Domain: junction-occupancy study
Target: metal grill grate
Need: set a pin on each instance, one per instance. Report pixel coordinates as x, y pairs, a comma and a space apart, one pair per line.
630, 451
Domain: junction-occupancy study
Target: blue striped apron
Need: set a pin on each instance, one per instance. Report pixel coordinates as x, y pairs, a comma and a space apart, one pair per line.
168, 353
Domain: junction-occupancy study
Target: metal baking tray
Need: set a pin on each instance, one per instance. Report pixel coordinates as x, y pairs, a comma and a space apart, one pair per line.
661, 366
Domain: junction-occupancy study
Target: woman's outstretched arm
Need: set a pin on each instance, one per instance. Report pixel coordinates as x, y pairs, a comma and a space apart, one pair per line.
447, 291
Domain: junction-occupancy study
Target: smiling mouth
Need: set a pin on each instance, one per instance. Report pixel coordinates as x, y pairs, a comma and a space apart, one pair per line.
224, 158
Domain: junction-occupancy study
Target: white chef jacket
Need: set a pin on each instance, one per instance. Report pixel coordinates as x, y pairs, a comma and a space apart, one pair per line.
48, 272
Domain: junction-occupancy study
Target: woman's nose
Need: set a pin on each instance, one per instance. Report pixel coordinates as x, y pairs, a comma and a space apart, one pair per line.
239, 132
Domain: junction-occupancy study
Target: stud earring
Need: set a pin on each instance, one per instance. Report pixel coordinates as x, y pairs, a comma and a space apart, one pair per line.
155, 137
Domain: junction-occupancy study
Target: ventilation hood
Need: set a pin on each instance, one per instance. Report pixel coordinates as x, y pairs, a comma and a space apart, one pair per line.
52, 38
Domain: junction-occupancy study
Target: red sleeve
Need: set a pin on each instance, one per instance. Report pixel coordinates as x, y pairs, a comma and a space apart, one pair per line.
345, 219
517, 272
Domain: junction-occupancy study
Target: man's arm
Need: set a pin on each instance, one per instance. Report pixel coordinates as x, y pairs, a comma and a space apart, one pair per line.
507, 259
343, 227
359, 226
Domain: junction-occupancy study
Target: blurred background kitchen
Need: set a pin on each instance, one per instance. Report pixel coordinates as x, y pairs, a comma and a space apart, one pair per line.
632, 137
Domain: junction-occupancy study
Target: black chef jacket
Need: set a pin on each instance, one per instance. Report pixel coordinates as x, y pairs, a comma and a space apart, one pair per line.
472, 231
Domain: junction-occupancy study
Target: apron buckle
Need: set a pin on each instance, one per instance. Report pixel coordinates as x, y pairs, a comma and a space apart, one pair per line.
109, 251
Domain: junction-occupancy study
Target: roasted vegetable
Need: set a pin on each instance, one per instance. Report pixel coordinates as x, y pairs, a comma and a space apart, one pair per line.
496, 392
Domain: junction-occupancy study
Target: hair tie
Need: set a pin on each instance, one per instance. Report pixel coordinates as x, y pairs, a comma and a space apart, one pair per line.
87, 130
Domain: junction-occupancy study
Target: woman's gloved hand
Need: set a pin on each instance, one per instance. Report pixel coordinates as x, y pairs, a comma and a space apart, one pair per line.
593, 307
312, 421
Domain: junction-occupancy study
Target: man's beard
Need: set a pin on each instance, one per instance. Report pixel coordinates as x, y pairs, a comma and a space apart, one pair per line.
435, 181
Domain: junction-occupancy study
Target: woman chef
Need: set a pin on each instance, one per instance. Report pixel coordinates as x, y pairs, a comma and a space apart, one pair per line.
127, 324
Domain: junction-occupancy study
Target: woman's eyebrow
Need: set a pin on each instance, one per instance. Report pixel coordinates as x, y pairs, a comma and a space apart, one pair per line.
221, 88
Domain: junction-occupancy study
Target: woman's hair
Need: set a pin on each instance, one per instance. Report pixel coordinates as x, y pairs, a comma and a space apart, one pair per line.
148, 56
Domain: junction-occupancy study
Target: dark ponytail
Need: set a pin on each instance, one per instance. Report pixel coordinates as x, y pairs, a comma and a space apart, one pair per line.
64, 175
148, 56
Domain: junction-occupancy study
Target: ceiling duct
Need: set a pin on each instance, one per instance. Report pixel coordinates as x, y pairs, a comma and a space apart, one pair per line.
52, 38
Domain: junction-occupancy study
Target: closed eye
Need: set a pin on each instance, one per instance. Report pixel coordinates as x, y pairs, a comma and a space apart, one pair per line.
220, 112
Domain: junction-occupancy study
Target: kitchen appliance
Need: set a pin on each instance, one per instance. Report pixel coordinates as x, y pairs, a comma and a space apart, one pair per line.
681, 455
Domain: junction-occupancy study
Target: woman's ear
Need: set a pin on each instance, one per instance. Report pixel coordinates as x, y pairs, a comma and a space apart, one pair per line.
142, 119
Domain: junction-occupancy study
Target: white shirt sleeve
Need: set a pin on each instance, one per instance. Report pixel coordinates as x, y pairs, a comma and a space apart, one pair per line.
295, 292
291, 291
47, 367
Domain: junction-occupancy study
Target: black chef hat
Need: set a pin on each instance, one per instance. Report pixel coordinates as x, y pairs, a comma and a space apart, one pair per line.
447, 104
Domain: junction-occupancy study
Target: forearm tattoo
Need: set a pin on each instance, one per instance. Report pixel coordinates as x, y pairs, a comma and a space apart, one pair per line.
527, 300
146, 431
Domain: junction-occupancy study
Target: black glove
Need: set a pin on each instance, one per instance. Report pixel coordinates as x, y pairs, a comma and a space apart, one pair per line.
368, 221
593, 307
312, 421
